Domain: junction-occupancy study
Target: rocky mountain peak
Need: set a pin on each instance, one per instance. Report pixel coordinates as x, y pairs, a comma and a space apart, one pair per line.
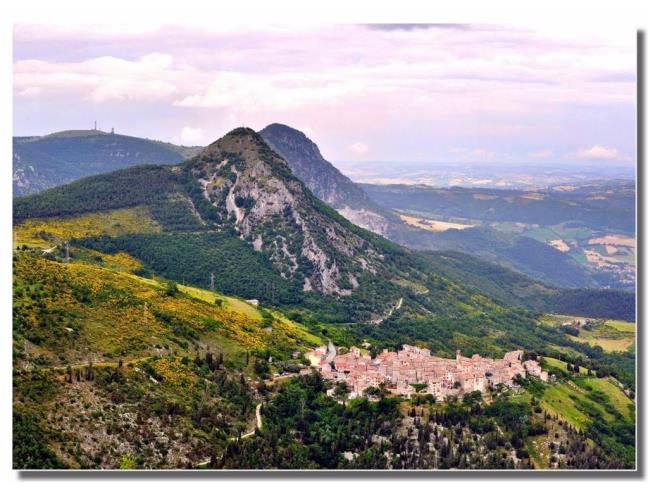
323, 179
252, 189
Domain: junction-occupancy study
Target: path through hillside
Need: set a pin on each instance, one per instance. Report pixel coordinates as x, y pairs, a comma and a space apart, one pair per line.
398, 305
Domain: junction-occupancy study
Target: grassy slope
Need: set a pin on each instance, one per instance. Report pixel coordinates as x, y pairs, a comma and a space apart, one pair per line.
144, 346
558, 399
110, 314
48, 232
610, 335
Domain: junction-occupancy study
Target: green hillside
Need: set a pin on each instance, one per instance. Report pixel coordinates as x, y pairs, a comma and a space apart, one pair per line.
96, 348
125, 356
511, 287
40, 163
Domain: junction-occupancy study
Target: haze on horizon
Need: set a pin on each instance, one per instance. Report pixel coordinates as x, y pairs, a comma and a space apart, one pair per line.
434, 93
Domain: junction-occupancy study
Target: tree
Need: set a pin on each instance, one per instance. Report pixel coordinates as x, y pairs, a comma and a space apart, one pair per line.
262, 368
341, 390
171, 289
472, 397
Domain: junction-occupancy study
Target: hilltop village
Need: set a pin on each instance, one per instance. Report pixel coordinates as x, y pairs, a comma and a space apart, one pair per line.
401, 371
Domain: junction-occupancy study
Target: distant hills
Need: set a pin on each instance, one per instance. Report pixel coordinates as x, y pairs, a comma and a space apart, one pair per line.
372, 207
59, 158
602, 204
239, 199
590, 227
43, 162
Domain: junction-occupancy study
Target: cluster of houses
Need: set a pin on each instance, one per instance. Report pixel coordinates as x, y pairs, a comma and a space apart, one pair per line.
413, 370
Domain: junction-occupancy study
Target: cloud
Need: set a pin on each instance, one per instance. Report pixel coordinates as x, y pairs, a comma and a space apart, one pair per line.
284, 91
541, 154
430, 86
412, 27
30, 92
617, 77
190, 135
600, 153
359, 148
102, 79
478, 154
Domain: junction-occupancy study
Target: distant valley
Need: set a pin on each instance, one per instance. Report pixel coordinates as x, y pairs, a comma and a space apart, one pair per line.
520, 176
592, 223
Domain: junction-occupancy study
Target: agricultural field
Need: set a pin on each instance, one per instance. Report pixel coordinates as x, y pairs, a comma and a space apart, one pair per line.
613, 253
578, 399
609, 339
610, 335
432, 225
551, 363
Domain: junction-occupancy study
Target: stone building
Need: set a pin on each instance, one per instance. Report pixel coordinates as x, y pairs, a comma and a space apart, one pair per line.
399, 371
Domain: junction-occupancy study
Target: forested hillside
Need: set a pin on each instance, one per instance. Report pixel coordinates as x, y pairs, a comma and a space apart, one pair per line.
153, 307
40, 163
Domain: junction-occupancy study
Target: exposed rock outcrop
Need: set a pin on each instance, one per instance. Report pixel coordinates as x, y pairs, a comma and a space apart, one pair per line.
277, 214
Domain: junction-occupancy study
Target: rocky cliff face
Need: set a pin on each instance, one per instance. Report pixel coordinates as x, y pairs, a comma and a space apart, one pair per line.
323, 179
253, 189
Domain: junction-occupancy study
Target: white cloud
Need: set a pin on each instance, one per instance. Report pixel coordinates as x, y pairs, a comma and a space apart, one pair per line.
190, 135
284, 91
30, 92
541, 154
359, 148
99, 80
478, 154
600, 153
477, 87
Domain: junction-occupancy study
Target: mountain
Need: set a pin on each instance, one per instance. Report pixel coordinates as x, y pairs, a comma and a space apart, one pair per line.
372, 207
324, 179
250, 187
240, 199
51, 160
238, 192
237, 210
134, 345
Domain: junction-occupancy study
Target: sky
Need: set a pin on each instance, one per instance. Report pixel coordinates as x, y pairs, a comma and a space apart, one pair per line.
381, 92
